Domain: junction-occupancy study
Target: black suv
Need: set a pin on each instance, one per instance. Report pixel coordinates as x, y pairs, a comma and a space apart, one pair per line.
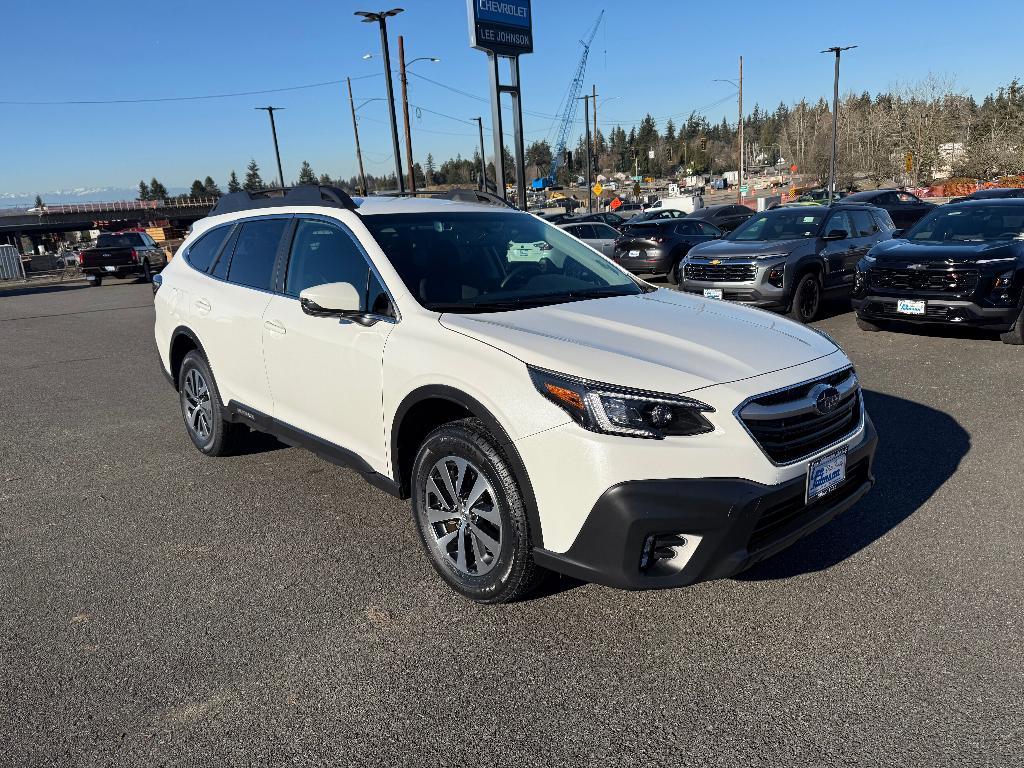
787, 258
904, 208
962, 264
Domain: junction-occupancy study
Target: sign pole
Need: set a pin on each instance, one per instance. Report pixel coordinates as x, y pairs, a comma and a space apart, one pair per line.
496, 129
517, 129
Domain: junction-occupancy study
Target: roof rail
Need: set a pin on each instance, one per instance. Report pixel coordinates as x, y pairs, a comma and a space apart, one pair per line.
459, 195
307, 194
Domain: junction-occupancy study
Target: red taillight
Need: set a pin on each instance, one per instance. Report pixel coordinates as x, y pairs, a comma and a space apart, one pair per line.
135, 256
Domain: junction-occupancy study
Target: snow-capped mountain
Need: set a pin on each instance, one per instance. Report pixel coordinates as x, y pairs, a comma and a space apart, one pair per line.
77, 195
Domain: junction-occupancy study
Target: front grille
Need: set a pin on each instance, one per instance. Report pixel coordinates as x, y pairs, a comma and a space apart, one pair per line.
930, 280
789, 515
788, 426
720, 273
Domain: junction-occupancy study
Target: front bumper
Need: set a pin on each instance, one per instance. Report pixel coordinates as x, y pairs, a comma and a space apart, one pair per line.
730, 524
938, 310
757, 291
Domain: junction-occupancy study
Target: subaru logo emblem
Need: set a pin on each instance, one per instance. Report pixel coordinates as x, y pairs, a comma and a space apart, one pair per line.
825, 397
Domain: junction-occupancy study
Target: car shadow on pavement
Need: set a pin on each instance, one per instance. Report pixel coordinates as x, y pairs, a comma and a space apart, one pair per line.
919, 448
48, 288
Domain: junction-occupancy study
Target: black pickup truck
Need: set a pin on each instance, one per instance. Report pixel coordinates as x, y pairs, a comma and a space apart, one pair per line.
120, 254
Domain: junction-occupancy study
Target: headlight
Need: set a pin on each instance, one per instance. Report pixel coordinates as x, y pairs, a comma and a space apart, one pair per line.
620, 411
1003, 281
762, 256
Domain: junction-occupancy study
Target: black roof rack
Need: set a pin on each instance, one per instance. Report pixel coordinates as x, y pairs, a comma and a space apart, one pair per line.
459, 195
307, 194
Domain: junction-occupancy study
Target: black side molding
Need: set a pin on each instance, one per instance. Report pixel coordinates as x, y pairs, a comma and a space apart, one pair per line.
336, 454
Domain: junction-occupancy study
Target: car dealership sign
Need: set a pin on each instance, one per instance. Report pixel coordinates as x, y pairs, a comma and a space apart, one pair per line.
504, 27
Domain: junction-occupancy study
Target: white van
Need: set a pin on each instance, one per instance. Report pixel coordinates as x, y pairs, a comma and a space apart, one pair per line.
685, 203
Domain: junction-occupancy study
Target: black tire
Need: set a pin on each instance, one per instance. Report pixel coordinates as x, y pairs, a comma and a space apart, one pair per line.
806, 298
147, 273
96, 281
675, 274
218, 437
867, 325
1015, 335
511, 573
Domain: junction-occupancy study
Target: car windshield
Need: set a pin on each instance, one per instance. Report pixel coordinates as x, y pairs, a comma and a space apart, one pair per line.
970, 224
493, 261
780, 224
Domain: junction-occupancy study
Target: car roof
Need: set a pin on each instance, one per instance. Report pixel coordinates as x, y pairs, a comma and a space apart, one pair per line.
996, 193
978, 203
871, 194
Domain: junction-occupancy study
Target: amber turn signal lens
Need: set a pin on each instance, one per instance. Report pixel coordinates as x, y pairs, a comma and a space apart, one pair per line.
567, 396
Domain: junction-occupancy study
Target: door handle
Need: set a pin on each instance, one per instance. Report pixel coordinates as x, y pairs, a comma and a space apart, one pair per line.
275, 327
202, 306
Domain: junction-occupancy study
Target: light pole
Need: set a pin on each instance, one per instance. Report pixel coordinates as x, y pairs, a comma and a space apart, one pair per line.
273, 129
405, 105
381, 18
739, 89
837, 50
483, 159
590, 169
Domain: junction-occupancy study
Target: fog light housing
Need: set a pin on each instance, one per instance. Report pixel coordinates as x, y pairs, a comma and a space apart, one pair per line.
665, 554
776, 274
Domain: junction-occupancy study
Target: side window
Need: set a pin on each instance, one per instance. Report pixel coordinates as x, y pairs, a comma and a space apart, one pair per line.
906, 197
840, 220
863, 224
252, 263
200, 254
889, 198
604, 232
323, 253
708, 229
686, 228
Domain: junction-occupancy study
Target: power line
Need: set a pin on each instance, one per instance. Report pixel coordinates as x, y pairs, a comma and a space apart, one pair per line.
181, 98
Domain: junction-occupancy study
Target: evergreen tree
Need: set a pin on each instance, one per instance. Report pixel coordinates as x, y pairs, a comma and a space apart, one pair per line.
39, 202
325, 180
233, 185
157, 191
210, 188
198, 190
253, 180
430, 169
306, 175
144, 193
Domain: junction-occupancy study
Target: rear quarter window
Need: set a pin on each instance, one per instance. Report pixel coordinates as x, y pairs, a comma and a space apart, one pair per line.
202, 252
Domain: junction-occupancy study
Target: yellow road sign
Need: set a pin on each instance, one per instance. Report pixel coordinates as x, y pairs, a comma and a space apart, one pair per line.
598, 189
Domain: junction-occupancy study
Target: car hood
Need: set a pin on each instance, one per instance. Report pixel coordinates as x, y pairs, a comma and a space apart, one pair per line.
724, 249
895, 252
663, 341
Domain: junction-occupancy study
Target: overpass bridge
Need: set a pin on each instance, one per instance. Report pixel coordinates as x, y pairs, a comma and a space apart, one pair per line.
123, 214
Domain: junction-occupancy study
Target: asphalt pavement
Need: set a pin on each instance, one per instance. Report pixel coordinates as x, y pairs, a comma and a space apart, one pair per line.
162, 608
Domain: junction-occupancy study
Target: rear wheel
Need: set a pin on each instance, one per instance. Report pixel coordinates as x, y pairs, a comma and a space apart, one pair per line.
97, 281
205, 417
1015, 335
471, 516
806, 298
147, 273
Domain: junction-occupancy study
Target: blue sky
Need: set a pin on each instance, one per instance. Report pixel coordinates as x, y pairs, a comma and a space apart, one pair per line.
658, 56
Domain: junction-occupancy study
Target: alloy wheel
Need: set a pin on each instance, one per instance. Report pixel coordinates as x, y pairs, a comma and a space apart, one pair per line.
809, 298
462, 514
197, 404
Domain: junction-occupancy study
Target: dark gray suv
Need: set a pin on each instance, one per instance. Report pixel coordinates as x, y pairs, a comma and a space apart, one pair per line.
787, 259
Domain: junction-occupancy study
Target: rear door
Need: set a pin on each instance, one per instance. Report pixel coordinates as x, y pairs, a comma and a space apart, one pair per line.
228, 310
604, 238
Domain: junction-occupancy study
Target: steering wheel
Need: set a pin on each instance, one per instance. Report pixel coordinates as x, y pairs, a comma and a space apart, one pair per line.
519, 272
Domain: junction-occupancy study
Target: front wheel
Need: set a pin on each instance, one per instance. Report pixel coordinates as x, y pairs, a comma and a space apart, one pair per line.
147, 273
806, 299
471, 516
1015, 335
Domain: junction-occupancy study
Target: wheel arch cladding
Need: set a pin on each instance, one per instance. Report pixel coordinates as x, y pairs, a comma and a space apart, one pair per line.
425, 409
183, 341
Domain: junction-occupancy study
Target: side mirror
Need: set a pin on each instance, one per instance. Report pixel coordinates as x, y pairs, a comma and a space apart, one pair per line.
332, 300
837, 234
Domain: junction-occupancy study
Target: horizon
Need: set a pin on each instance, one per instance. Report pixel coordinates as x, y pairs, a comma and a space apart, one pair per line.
49, 147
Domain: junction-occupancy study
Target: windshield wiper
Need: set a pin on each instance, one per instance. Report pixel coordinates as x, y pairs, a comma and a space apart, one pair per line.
527, 301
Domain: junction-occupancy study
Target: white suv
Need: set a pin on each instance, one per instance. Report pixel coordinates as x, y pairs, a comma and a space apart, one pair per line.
543, 409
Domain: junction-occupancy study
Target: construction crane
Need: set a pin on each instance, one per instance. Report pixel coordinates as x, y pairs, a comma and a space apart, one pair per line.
568, 114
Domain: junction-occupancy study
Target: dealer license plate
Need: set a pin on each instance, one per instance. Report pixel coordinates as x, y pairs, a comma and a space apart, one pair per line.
908, 307
111, 269
712, 293
634, 254
826, 474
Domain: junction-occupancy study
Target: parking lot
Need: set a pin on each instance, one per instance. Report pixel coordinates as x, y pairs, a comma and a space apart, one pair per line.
163, 608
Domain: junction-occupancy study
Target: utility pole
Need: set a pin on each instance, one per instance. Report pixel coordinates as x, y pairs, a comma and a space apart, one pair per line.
837, 50
273, 129
405, 112
483, 158
355, 129
382, 21
739, 178
586, 122
593, 99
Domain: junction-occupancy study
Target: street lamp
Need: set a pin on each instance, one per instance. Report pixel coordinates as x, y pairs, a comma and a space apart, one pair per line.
405, 105
381, 18
837, 50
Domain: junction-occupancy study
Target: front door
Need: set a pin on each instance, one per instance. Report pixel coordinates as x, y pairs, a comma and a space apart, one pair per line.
326, 373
